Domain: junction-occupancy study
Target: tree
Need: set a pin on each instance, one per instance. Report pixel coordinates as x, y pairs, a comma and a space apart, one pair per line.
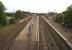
10, 14
68, 16
21, 14
18, 14
2, 16
59, 18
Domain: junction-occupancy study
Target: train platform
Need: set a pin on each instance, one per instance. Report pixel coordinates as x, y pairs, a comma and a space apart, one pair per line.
35, 29
67, 36
23, 19
25, 41
21, 42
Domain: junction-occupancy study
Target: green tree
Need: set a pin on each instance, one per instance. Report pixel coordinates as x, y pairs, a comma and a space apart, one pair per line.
65, 17
10, 14
68, 16
2, 16
59, 18
18, 14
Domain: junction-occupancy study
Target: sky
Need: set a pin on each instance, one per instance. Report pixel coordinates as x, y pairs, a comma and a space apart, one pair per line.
37, 6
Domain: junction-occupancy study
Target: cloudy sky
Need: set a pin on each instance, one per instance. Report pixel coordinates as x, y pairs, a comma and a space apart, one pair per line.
37, 6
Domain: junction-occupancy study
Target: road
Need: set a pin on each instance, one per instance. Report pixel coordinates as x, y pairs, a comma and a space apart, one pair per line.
38, 35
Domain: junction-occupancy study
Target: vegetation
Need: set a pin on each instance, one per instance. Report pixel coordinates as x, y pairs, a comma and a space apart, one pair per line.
59, 18
21, 14
18, 14
65, 17
10, 14
2, 15
9, 17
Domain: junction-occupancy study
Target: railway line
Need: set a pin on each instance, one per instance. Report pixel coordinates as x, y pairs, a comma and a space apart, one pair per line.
49, 39
42, 37
26, 40
7, 37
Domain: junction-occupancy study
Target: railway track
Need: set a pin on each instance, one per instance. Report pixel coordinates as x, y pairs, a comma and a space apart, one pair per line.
49, 39
25, 38
7, 38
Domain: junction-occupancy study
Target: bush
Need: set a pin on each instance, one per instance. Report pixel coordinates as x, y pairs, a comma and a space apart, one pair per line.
59, 18
12, 21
